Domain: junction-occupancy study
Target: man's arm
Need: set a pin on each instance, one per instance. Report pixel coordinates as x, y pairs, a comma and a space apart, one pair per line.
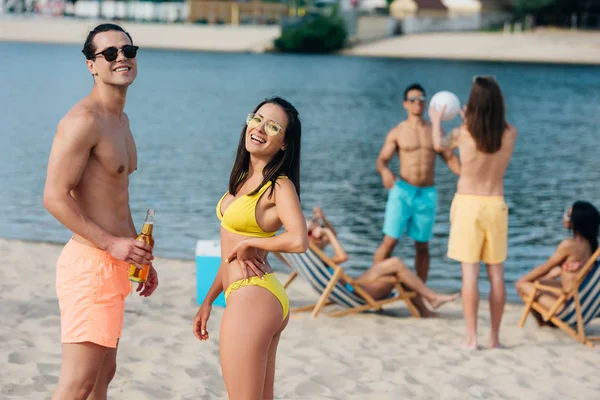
451, 160
390, 147
75, 138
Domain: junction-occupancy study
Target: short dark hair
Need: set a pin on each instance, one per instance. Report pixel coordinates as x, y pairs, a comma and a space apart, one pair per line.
414, 86
89, 49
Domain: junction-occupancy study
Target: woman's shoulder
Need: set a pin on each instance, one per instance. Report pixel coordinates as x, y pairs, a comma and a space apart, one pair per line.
568, 245
284, 181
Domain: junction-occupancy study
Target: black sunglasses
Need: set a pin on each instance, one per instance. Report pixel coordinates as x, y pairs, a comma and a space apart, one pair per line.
111, 53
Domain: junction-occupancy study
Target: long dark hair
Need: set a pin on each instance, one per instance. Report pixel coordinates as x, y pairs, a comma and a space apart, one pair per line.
285, 162
585, 221
485, 114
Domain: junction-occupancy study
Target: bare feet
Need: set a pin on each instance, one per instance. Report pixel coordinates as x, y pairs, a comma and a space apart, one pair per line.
495, 343
470, 343
441, 299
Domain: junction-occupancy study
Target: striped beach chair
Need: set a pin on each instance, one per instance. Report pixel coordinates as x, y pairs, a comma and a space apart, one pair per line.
325, 277
574, 309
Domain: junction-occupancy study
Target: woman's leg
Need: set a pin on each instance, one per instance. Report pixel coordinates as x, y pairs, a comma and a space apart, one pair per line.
470, 299
252, 318
268, 388
546, 299
395, 267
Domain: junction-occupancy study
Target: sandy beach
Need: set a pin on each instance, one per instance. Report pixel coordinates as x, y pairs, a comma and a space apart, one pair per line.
367, 356
548, 46
150, 35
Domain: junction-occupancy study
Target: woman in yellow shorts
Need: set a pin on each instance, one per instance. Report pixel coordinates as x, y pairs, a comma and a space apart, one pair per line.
263, 196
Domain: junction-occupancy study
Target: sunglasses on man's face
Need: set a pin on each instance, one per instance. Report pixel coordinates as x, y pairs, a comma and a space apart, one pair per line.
111, 53
420, 99
254, 120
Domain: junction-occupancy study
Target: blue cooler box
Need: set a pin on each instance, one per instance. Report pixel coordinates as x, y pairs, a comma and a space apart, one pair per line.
208, 259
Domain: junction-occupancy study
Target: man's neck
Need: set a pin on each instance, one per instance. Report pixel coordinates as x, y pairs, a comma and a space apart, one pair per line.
415, 120
111, 98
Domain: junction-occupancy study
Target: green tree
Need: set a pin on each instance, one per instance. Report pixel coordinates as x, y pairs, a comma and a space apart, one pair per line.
321, 34
523, 7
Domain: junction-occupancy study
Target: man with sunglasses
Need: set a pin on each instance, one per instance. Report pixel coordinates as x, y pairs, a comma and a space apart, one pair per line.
87, 190
412, 199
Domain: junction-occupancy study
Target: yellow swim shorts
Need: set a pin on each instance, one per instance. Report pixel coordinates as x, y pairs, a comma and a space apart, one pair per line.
478, 229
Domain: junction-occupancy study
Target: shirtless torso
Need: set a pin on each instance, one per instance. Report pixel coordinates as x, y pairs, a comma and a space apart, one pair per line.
482, 173
91, 159
102, 191
413, 143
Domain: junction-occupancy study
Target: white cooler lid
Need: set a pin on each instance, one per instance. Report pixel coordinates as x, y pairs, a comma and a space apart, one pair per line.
211, 248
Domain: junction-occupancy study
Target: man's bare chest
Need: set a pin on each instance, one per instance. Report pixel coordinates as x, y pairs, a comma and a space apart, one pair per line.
116, 153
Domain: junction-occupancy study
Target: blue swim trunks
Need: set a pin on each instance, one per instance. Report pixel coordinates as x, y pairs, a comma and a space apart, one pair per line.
410, 209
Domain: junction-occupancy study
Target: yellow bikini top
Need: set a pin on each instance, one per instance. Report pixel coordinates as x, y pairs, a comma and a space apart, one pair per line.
240, 215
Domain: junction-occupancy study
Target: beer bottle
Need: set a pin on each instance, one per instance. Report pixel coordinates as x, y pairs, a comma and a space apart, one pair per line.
141, 274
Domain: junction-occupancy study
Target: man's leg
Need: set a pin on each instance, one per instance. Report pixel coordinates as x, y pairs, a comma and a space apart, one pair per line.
105, 375
470, 299
497, 300
420, 229
81, 364
385, 249
422, 260
394, 224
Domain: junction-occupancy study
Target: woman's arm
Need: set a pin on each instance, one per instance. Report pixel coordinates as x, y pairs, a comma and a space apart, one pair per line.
340, 254
215, 289
320, 215
295, 237
559, 256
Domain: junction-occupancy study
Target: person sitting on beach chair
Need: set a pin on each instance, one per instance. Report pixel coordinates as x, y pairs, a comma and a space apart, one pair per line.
560, 271
322, 234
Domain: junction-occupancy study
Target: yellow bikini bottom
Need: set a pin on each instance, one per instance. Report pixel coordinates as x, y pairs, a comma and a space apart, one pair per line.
269, 282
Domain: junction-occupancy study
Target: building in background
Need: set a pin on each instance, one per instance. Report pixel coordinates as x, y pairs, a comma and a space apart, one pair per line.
417, 16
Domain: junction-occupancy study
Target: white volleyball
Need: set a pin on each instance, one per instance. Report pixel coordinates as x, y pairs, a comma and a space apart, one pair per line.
448, 99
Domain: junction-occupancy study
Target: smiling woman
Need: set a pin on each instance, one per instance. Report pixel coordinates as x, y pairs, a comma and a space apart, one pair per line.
267, 162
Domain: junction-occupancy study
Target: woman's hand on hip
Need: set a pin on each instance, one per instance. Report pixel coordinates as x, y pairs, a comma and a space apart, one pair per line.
248, 258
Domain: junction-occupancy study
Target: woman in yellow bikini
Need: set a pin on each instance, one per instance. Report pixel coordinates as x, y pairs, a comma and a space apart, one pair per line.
263, 196
583, 220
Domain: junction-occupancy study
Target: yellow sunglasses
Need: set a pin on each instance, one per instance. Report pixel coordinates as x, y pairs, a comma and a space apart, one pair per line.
254, 120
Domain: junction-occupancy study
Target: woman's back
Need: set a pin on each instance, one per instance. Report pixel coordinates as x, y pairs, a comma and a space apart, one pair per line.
483, 173
579, 250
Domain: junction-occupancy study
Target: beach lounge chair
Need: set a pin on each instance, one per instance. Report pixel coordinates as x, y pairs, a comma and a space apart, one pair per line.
577, 307
324, 276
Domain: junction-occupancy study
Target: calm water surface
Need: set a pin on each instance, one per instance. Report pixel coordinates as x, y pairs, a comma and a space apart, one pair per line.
186, 110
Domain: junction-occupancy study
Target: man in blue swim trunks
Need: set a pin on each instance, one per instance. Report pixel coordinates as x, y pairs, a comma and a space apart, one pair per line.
412, 199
